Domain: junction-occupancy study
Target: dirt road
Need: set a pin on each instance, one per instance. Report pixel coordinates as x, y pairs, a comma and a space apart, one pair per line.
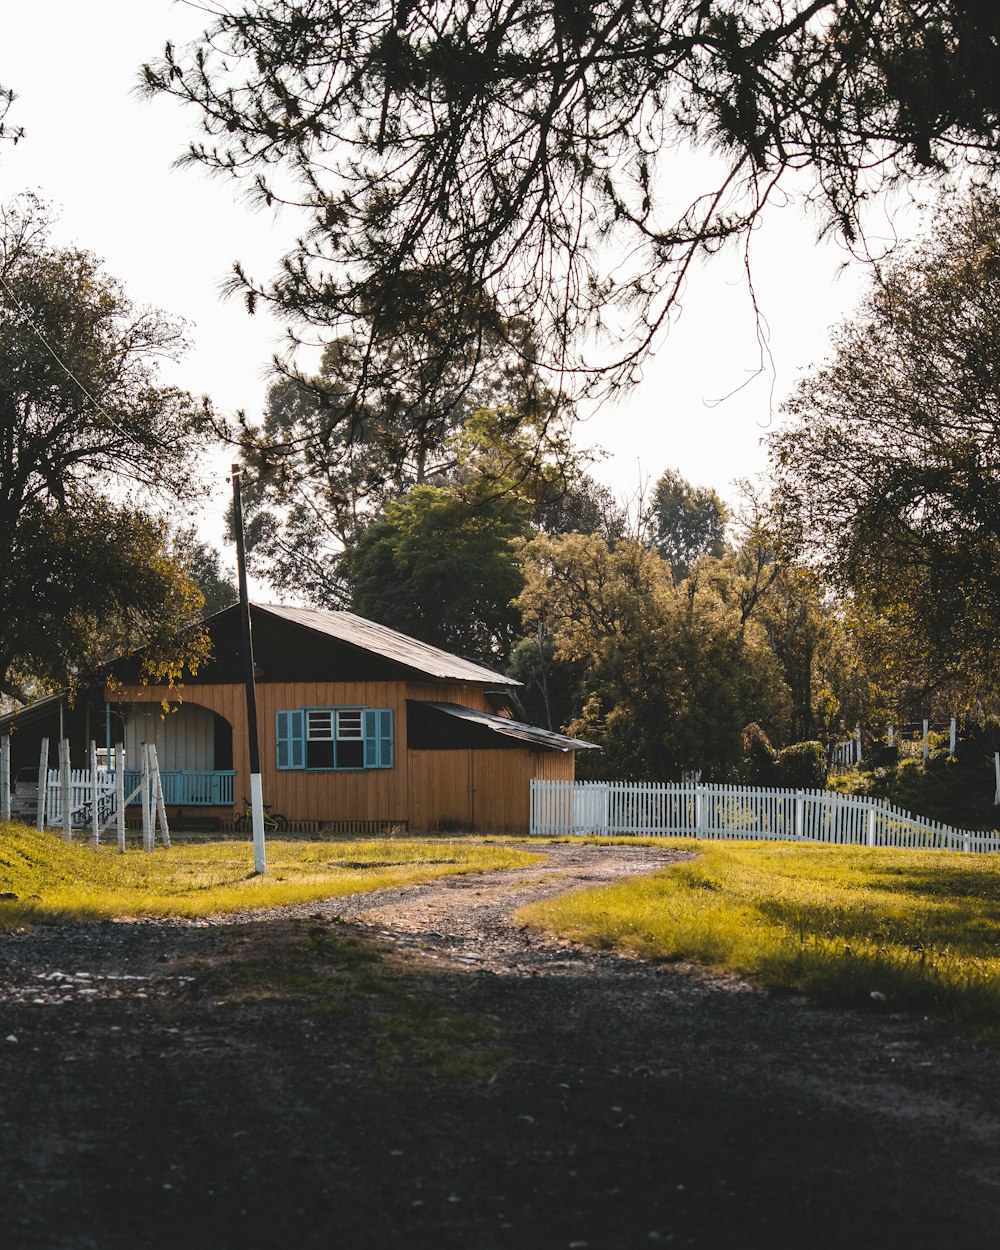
412, 1069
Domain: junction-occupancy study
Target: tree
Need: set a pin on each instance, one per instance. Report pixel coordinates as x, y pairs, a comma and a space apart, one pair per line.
523, 148
439, 565
888, 469
376, 419
686, 522
670, 676
204, 566
88, 441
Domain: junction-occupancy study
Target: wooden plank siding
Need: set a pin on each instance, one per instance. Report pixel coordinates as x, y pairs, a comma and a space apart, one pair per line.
481, 791
487, 790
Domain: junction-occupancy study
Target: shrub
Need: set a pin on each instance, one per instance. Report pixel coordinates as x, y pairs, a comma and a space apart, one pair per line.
801, 766
758, 756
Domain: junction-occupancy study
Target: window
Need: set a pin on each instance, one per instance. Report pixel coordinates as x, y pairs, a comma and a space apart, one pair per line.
334, 738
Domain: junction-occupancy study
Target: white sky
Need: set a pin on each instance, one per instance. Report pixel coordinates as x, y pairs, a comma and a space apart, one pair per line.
104, 156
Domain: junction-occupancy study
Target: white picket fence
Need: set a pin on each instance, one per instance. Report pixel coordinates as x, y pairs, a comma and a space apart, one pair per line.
652, 809
81, 797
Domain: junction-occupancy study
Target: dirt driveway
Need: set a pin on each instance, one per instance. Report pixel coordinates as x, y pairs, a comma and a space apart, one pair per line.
409, 1069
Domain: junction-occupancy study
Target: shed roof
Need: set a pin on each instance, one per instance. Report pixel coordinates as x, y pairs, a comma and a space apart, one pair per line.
512, 728
33, 711
356, 631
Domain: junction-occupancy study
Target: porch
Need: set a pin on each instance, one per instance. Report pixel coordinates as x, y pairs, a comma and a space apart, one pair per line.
189, 788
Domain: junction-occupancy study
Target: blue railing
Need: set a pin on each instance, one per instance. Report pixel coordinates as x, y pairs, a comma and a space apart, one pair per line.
189, 789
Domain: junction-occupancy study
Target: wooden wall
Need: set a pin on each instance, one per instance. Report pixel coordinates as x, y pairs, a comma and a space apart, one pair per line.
481, 789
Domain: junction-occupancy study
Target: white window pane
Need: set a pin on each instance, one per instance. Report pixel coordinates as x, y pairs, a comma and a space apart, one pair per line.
349, 723
319, 726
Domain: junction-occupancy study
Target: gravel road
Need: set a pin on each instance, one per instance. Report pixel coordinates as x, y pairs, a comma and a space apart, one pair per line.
148, 1098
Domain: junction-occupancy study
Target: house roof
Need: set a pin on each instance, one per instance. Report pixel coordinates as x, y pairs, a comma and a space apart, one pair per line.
34, 711
512, 728
389, 643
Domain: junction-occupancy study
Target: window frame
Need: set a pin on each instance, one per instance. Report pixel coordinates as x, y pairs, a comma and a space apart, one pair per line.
375, 733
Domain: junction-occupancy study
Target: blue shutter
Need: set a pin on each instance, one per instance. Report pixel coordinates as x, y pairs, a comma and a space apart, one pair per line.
291, 739
378, 737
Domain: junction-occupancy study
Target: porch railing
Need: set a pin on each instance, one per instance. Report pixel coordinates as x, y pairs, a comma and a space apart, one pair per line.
189, 789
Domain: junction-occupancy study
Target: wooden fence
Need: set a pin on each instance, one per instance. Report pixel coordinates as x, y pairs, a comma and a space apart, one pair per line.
651, 809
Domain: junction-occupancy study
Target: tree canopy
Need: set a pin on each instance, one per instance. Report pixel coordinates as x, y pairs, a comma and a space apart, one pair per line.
335, 447
89, 441
667, 676
889, 466
686, 522
520, 152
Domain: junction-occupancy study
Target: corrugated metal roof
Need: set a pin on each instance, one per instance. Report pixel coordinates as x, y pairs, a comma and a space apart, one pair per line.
32, 711
512, 728
369, 636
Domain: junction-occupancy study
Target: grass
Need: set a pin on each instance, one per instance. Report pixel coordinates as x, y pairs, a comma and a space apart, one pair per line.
915, 931
56, 882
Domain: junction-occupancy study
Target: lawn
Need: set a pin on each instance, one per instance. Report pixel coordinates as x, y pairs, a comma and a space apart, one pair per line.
915, 931
53, 881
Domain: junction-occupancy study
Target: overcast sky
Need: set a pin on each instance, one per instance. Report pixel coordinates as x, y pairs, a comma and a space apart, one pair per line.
104, 156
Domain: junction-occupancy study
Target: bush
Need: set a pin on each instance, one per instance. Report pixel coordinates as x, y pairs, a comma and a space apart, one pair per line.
801, 766
758, 756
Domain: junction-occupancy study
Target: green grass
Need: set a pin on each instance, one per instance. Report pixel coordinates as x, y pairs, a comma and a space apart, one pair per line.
58, 882
915, 931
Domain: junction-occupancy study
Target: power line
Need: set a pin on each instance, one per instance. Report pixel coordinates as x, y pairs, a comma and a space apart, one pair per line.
67, 370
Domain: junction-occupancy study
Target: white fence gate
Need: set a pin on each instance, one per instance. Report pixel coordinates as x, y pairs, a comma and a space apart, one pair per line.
653, 809
80, 793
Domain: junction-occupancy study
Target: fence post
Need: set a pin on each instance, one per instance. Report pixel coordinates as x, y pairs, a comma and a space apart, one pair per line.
66, 788
95, 804
147, 815
161, 808
870, 838
5, 776
800, 814
953, 737
120, 794
43, 784
699, 811
857, 735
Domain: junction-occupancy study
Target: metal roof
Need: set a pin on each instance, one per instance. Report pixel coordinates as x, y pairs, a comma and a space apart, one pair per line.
32, 711
511, 728
369, 636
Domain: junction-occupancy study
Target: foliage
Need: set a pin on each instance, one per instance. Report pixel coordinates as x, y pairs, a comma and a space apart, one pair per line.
686, 522
56, 883
377, 418
523, 148
895, 930
801, 766
84, 425
440, 566
959, 792
670, 674
8, 132
440, 563
888, 468
204, 566
551, 693
760, 756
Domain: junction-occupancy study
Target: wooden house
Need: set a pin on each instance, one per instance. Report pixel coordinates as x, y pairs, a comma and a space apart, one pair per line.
361, 729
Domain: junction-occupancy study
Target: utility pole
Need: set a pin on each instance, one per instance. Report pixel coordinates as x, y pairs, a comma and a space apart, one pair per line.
256, 788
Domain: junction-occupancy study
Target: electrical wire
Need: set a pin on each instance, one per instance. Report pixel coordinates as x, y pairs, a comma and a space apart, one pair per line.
29, 321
